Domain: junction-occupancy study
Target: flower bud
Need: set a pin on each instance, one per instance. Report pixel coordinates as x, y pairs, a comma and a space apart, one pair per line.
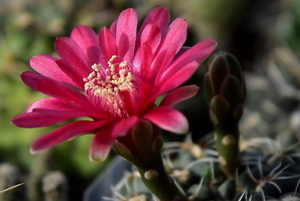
225, 92
224, 85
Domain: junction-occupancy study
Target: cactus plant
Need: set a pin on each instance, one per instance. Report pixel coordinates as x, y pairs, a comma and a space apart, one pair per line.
261, 168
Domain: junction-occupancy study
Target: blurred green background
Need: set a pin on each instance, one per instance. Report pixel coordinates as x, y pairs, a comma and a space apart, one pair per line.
250, 29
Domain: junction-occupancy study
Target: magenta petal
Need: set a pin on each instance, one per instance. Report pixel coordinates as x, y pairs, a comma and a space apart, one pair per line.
168, 119
121, 127
107, 43
101, 146
146, 99
68, 95
69, 113
49, 111
160, 16
113, 28
128, 102
182, 50
65, 133
49, 103
87, 40
51, 87
126, 34
103, 140
150, 40
179, 95
69, 51
71, 72
197, 53
175, 35
151, 35
31, 79
45, 64
161, 62
169, 46
173, 81
57, 90
142, 62
36, 120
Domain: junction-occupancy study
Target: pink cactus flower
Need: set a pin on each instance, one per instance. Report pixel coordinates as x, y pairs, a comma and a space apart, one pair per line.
114, 79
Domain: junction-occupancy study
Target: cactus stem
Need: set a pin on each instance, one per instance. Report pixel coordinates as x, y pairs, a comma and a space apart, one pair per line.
144, 152
227, 146
159, 182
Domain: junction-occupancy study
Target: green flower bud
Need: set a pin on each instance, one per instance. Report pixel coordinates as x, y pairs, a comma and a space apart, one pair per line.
234, 65
209, 91
224, 78
231, 89
219, 69
219, 105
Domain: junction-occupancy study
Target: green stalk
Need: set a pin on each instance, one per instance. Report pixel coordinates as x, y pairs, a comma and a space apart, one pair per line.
157, 180
142, 147
227, 144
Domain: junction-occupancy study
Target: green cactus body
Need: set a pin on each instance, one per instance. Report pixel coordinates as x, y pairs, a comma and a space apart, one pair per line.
261, 175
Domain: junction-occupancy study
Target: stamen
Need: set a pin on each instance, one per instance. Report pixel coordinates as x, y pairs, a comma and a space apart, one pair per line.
108, 83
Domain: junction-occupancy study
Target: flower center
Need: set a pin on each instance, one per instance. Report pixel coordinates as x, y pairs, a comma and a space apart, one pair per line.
106, 83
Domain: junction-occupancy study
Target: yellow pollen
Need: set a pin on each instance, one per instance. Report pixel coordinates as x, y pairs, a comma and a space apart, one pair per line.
108, 82
123, 64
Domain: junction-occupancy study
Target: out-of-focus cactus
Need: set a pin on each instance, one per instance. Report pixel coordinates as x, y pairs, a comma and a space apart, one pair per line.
225, 92
55, 186
10, 179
